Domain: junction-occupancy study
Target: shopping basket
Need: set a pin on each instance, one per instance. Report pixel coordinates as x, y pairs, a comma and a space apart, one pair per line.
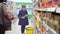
29, 30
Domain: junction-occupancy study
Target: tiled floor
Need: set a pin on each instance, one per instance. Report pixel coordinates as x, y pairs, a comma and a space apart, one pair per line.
15, 29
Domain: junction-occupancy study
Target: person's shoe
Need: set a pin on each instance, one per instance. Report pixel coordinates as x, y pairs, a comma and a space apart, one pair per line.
23, 33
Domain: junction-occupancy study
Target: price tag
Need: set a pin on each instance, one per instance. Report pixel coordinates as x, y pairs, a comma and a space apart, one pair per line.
50, 9
58, 10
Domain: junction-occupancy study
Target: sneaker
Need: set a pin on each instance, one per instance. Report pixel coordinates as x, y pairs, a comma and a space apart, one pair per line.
23, 33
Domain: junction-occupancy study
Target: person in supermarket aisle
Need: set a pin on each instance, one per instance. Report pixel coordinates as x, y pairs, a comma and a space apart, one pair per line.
3, 17
23, 18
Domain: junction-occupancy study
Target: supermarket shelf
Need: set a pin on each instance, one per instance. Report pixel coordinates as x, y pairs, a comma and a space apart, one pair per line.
46, 9
45, 25
49, 9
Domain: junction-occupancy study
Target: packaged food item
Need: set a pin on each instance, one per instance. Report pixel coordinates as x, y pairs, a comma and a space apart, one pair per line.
38, 23
43, 30
42, 5
59, 3
41, 14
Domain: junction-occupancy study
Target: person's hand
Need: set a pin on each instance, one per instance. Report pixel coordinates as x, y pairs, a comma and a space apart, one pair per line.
23, 17
14, 21
26, 15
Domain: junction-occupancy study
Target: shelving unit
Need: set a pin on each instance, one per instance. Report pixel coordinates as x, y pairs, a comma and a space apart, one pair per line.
52, 10
45, 25
46, 9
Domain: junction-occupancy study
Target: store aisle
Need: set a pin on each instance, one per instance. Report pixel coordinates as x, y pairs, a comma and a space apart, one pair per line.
15, 28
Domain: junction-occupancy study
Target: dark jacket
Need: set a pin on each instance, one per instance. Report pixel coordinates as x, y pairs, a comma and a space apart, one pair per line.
1, 20
22, 21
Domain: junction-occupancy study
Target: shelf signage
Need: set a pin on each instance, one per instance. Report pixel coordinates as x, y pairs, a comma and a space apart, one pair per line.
58, 10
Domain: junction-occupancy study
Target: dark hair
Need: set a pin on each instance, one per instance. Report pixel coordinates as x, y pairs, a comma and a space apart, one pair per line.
1, 1
5, 0
23, 6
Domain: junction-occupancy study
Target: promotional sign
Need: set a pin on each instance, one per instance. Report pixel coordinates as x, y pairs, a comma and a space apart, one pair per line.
23, 2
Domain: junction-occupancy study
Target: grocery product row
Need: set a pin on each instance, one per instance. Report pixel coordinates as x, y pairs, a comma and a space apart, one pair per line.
48, 12
48, 3
51, 20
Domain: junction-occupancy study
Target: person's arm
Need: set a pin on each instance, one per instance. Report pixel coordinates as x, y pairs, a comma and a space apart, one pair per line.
19, 15
26, 14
